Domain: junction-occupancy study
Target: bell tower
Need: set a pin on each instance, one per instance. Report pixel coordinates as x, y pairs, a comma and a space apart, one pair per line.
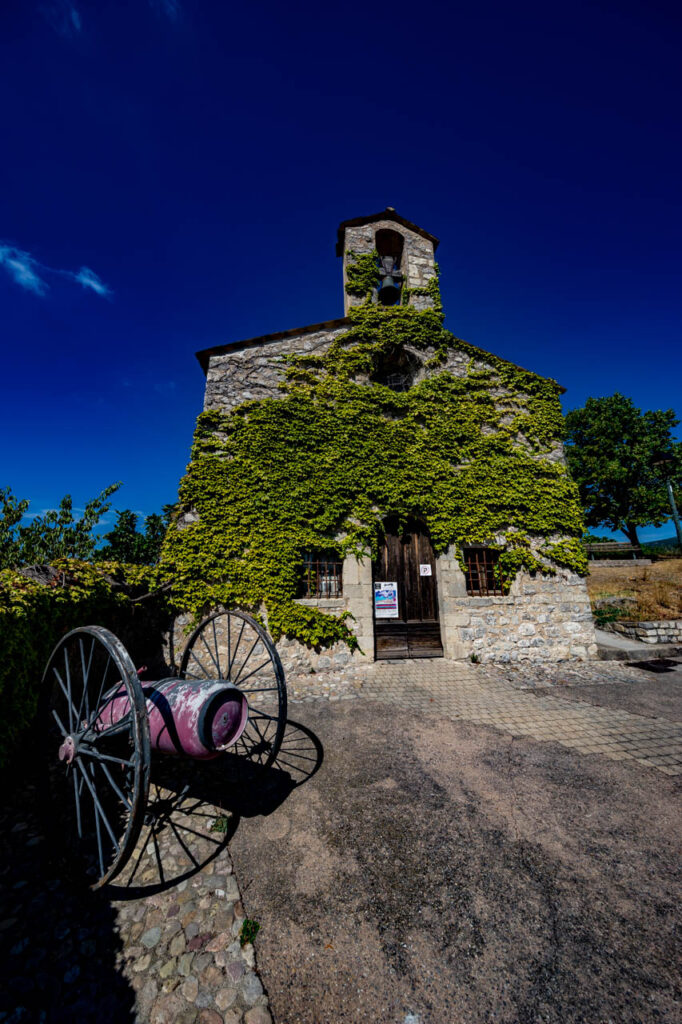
405, 261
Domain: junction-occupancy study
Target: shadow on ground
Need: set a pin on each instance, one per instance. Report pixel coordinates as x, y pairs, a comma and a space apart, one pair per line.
59, 942
203, 802
438, 872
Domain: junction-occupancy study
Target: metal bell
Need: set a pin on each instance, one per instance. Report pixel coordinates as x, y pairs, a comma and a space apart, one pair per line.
389, 288
389, 291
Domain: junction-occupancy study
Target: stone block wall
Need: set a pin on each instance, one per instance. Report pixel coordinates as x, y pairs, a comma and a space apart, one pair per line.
333, 663
660, 631
543, 618
253, 370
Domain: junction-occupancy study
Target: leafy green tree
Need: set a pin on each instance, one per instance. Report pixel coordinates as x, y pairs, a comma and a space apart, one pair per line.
125, 543
56, 534
11, 513
612, 449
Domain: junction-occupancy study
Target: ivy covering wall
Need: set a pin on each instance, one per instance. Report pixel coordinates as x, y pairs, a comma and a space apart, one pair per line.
322, 465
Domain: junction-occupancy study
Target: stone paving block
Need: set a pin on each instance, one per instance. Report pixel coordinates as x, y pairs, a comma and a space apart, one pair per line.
490, 699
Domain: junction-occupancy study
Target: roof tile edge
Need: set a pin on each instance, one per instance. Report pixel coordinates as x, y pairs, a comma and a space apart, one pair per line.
205, 354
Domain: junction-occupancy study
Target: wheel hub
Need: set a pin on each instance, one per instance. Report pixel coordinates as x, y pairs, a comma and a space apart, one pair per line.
67, 751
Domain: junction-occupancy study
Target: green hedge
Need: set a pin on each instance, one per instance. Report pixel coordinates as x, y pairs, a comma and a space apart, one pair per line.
39, 605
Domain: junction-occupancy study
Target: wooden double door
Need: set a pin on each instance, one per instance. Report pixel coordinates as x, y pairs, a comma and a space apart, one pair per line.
412, 630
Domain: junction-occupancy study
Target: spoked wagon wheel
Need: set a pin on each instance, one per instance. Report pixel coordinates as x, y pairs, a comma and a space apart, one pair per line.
95, 740
231, 645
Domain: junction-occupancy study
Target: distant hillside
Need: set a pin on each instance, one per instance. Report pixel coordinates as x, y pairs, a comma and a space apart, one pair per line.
667, 542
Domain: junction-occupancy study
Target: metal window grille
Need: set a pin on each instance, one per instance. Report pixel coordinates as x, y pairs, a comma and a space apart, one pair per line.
322, 575
482, 579
397, 382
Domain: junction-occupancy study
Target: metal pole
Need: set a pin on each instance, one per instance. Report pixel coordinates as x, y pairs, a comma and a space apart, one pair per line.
676, 516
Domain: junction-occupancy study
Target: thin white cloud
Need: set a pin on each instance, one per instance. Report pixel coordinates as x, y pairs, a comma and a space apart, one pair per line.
44, 511
63, 17
171, 8
89, 279
22, 268
29, 273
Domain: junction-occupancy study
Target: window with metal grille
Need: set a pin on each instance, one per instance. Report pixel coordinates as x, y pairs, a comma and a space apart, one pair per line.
482, 574
396, 371
322, 574
397, 381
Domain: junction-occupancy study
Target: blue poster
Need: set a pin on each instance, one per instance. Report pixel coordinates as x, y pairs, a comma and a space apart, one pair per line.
386, 600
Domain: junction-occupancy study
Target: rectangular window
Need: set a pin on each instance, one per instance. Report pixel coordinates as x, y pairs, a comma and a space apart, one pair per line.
322, 575
481, 578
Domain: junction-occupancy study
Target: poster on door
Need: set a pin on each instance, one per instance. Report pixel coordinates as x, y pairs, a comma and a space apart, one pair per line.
386, 600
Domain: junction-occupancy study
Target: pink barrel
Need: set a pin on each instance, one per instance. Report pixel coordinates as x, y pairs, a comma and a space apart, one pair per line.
197, 718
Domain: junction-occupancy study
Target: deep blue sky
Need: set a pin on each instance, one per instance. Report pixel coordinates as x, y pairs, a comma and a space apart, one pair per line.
196, 157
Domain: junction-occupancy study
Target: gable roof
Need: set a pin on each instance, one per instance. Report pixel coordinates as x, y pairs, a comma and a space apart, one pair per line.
387, 214
204, 356
233, 346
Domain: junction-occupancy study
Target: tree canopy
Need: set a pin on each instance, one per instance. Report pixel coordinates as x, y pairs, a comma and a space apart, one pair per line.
612, 450
125, 543
57, 533
63, 533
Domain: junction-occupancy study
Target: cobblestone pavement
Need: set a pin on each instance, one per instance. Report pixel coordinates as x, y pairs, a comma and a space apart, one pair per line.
159, 945
179, 917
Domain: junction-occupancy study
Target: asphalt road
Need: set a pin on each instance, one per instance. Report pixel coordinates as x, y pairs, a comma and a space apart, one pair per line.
436, 872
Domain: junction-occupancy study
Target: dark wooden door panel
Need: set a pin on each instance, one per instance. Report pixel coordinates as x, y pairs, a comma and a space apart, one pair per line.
392, 644
424, 641
416, 633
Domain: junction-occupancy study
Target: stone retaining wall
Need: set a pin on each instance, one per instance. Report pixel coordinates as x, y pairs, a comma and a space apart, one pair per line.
661, 631
618, 563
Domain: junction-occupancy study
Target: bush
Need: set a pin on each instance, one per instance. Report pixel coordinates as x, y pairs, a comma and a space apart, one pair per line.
39, 604
609, 613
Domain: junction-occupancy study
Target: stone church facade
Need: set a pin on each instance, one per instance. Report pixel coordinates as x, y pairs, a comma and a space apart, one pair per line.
445, 609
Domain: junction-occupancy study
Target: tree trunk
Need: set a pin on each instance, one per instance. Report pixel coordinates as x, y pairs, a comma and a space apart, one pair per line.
630, 531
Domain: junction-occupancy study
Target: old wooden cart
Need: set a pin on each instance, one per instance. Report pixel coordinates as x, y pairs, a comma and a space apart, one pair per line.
99, 724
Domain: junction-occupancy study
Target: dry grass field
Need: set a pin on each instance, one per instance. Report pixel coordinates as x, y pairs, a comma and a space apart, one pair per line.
656, 588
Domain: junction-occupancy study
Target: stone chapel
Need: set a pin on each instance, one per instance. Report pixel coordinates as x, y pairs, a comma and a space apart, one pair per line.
410, 599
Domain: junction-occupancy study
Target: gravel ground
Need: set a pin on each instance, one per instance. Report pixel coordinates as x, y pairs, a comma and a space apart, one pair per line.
434, 872
404, 868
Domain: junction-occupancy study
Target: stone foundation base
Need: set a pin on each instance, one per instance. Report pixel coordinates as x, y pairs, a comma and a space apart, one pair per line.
543, 619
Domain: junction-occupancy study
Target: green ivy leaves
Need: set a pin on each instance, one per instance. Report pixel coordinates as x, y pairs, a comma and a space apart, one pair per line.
324, 464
